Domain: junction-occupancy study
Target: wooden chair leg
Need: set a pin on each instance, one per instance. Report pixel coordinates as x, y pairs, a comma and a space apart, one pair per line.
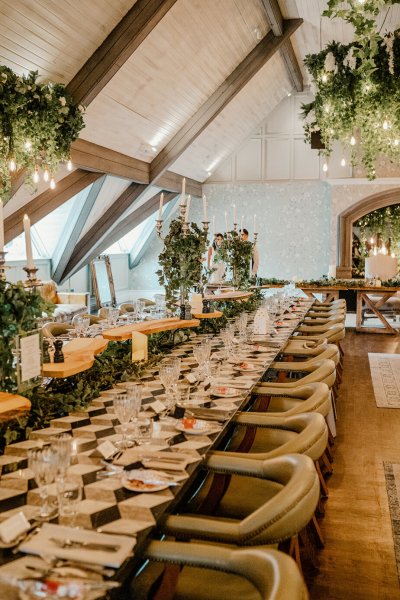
317, 533
324, 487
294, 551
326, 463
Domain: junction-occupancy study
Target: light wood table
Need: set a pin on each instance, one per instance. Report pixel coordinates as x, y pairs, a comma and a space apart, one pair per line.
11, 405
79, 356
228, 296
124, 332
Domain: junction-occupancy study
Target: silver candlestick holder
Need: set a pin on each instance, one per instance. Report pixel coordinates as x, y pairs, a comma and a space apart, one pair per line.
255, 239
3, 266
31, 281
159, 224
206, 225
235, 227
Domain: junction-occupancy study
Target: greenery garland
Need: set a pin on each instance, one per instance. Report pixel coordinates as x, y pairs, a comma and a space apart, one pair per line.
237, 255
38, 123
325, 282
181, 262
357, 88
383, 222
19, 311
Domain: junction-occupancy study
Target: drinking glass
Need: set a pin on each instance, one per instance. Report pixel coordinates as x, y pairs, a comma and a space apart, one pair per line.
144, 430
43, 463
113, 315
134, 394
182, 392
124, 409
69, 494
62, 445
140, 306
226, 338
213, 371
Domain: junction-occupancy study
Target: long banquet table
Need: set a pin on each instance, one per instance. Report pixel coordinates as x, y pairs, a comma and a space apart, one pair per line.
107, 506
365, 301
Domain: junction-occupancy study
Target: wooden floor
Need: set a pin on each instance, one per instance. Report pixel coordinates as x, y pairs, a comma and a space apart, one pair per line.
358, 561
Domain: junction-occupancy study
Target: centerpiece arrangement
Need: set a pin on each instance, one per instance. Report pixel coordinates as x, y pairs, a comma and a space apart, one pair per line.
357, 88
237, 254
181, 265
38, 123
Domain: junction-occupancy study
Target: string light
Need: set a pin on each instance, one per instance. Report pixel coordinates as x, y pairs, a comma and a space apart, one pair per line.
324, 78
28, 145
46, 175
12, 165
36, 176
52, 183
386, 125
69, 165
325, 167
343, 162
353, 140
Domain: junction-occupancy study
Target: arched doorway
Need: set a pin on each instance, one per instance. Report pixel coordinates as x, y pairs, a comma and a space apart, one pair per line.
352, 214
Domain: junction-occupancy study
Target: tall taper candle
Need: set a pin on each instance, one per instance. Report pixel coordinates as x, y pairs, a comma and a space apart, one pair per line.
183, 197
241, 224
226, 222
213, 224
255, 224
204, 208
234, 213
161, 205
28, 243
187, 209
1, 227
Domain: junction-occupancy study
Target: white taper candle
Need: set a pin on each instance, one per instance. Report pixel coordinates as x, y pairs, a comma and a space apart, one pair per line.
161, 205
187, 209
28, 243
183, 197
204, 208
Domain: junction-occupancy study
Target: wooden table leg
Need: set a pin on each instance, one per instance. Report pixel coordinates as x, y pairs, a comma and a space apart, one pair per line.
374, 307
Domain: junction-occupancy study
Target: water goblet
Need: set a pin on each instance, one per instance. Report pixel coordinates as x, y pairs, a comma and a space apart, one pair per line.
43, 463
140, 306
62, 445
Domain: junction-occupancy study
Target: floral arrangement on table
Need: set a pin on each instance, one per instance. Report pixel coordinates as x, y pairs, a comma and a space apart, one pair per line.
38, 123
181, 261
237, 254
357, 88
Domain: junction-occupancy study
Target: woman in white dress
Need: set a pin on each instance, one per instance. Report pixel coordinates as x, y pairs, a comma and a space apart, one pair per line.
215, 261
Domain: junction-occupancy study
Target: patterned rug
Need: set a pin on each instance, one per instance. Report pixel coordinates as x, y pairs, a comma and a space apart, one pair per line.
392, 476
385, 373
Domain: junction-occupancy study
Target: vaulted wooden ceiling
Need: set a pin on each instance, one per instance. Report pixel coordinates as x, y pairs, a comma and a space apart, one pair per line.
172, 87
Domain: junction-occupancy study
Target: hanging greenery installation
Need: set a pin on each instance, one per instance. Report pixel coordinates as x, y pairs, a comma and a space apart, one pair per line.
38, 123
357, 90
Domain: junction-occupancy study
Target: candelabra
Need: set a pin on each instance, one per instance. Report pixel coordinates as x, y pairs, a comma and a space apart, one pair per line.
255, 238
3, 266
31, 281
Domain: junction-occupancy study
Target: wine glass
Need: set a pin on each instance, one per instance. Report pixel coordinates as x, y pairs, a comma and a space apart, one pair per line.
134, 394
44, 464
124, 409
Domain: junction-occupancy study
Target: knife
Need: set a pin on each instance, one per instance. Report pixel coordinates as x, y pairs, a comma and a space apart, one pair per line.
66, 543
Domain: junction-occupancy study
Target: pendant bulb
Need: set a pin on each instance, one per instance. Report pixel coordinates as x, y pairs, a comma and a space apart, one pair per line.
343, 162
52, 183
36, 176
12, 165
69, 165
46, 175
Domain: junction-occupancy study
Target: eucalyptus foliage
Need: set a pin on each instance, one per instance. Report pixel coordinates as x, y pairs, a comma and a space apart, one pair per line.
357, 94
237, 254
181, 261
38, 123
19, 310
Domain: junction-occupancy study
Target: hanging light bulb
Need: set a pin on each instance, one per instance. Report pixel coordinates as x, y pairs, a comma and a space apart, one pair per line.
353, 140
52, 183
325, 167
36, 176
324, 78
69, 165
396, 142
386, 125
393, 255
28, 145
46, 175
12, 165
343, 162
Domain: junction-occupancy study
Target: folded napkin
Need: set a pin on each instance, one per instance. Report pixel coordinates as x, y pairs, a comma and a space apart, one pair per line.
42, 544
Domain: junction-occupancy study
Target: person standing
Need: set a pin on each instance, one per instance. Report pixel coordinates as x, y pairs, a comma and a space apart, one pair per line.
215, 260
255, 259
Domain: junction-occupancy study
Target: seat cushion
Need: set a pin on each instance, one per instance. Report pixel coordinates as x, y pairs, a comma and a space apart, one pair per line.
68, 310
48, 291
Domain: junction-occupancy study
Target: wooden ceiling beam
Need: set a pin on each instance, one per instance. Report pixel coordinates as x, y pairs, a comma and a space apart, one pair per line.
101, 228
117, 48
92, 245
275, 20
47, 201
234, 83
93, 157
72, 240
